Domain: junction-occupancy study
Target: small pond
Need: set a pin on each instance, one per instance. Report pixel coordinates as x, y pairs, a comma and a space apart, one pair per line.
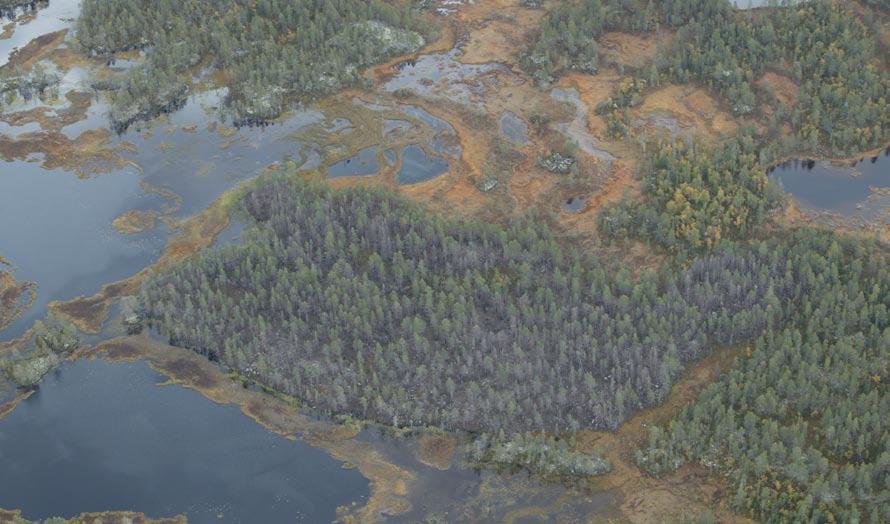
99, 436
854, 189
575, 204
513, 128
418, 167
364, 163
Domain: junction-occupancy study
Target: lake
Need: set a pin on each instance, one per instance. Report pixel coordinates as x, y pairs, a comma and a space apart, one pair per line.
100, 436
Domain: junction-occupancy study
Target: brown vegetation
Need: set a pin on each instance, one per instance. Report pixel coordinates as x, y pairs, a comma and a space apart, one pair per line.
86, 155
15, 297
781, 86
436, 451
132, 222
390, 484
35, 50
633, 50
692, 107
691, 489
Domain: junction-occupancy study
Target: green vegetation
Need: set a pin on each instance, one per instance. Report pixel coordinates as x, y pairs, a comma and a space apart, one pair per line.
359, 302
799, 426
842, 105
538, 454
53, 340
266, 50
695, 196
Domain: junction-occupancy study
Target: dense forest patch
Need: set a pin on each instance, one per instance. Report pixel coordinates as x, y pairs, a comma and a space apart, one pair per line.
799, 427
266, 50
696, 195
359, 302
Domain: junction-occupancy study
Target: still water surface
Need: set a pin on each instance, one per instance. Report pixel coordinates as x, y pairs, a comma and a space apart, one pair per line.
101, 436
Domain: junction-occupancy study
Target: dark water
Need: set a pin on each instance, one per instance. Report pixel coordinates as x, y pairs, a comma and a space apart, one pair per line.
418, 167
56, 230
575, 204
822, 186
364, 163
99, 436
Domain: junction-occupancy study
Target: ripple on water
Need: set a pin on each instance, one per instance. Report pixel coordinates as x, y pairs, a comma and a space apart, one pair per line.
56, 230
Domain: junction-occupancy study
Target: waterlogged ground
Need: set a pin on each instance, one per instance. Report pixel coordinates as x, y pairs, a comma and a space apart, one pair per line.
56, 16
81, 208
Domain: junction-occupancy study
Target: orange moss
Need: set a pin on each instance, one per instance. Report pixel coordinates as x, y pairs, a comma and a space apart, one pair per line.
15, 297
90, 153
633, 49
133, 222
436, 451
691, 106
783, 87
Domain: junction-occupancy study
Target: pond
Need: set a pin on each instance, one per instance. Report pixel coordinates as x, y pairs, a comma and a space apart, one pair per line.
442, 75
513, 128
100, 436
363, 163
418, 167
852, 190
575, 204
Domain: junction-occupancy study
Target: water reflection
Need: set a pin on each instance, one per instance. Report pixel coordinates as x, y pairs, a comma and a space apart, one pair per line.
854, 189
99, 436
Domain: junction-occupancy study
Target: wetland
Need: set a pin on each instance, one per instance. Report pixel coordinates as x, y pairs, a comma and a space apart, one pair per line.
443, 116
